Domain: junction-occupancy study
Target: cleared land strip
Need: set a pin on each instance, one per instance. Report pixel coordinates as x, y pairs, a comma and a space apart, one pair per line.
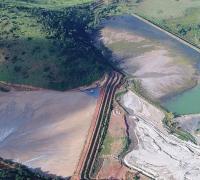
171, 34
97, 130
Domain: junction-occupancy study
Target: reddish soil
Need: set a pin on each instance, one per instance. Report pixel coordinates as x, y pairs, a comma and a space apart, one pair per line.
112, 168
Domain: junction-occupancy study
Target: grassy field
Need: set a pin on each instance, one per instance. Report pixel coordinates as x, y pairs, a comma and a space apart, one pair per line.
181, 17
106, 148
47, 43
54, 4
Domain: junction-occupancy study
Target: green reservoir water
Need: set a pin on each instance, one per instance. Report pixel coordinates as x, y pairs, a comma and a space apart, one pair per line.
185, 103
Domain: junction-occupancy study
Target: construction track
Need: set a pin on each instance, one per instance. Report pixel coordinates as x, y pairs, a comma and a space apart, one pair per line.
97, 130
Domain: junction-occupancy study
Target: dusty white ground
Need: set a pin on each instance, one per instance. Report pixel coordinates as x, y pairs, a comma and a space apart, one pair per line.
158, 153
45, 129
150, 56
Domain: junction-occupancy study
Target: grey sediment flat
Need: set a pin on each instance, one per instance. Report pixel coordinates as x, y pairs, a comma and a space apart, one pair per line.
45, 129
164, 65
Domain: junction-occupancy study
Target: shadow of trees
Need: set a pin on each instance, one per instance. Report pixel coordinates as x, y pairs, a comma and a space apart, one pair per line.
10, 170
78, 61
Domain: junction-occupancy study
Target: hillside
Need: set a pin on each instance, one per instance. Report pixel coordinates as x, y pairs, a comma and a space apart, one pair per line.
47, 43
51, 44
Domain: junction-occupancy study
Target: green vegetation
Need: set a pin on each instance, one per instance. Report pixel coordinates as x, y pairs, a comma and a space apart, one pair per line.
119, 94
97, 166
136, 86
10, 170
106, 147
168, 121
50, 4
186, 136
126, 47
137, 177
180, 17
126, 142
48, 43
188, 26
172, 126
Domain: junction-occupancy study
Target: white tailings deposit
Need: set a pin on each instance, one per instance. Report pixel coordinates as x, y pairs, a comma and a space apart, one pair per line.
158, 153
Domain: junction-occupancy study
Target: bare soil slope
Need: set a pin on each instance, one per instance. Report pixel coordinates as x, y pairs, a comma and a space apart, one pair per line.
45, 129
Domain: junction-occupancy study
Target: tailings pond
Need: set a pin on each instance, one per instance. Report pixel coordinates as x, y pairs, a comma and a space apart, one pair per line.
160, 61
